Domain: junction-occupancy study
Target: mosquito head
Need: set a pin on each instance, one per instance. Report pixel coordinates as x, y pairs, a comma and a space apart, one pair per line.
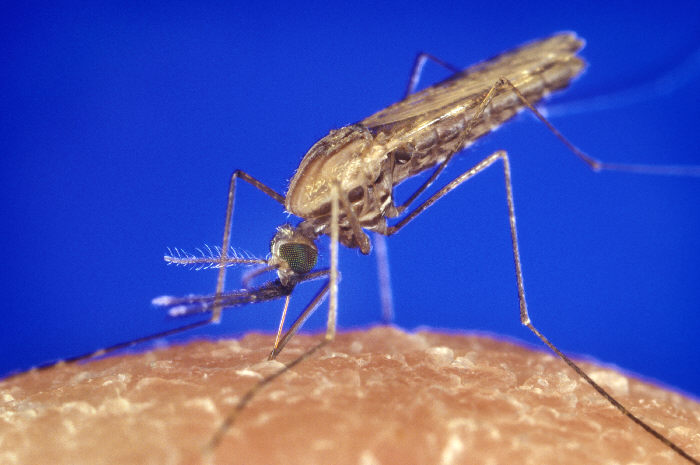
293, 252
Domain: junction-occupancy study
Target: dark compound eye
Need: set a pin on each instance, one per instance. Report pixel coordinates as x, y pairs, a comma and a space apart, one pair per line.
300, 257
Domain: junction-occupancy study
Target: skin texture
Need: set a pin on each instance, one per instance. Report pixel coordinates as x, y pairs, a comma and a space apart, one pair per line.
377, 396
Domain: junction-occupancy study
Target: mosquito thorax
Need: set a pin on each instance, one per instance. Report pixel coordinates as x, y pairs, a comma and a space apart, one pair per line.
293, 252
344, 156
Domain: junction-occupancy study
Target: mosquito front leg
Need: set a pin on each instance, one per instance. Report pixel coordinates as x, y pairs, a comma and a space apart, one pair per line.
280, 328
332, 287
333, 277
120, 345
301, 319
221, 279
229, 420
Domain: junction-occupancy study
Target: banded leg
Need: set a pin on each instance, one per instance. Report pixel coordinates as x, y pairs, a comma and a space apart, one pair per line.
221, 278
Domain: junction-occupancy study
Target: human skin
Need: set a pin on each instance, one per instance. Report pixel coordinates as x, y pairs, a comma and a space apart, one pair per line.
378, 396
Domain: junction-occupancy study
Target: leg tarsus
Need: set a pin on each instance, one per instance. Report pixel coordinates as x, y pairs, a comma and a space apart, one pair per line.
614, 402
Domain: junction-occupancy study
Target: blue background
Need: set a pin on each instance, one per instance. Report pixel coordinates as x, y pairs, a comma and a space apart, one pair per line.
120, 126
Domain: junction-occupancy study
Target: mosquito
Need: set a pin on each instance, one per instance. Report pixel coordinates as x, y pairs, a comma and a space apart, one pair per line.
344, 187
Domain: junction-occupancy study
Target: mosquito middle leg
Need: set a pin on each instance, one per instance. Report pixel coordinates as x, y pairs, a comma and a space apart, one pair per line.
380, 247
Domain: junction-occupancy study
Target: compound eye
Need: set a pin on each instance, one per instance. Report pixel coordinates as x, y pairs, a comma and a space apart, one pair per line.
300, 257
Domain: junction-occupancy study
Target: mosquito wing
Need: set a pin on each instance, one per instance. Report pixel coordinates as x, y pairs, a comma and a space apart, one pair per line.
536, 69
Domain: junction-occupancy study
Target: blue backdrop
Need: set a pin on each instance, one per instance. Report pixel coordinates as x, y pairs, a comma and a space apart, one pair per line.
121, 125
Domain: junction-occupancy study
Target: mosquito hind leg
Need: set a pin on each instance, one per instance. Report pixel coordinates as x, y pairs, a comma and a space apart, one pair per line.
524, 315
417, 70
464, 137
593, 163
231, 417
221, 278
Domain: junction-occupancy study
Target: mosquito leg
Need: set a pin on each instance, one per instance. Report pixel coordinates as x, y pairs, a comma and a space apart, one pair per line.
593, 163
417, 70
465, 136
379, 240
381, 250
335, 227
361, 237
486, 162
221, 279
331, 286
230, 419
280, 327
301, 319
524, 315
384, 274
119, 346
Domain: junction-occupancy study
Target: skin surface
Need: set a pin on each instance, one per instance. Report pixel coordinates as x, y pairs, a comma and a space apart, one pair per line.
377, 396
